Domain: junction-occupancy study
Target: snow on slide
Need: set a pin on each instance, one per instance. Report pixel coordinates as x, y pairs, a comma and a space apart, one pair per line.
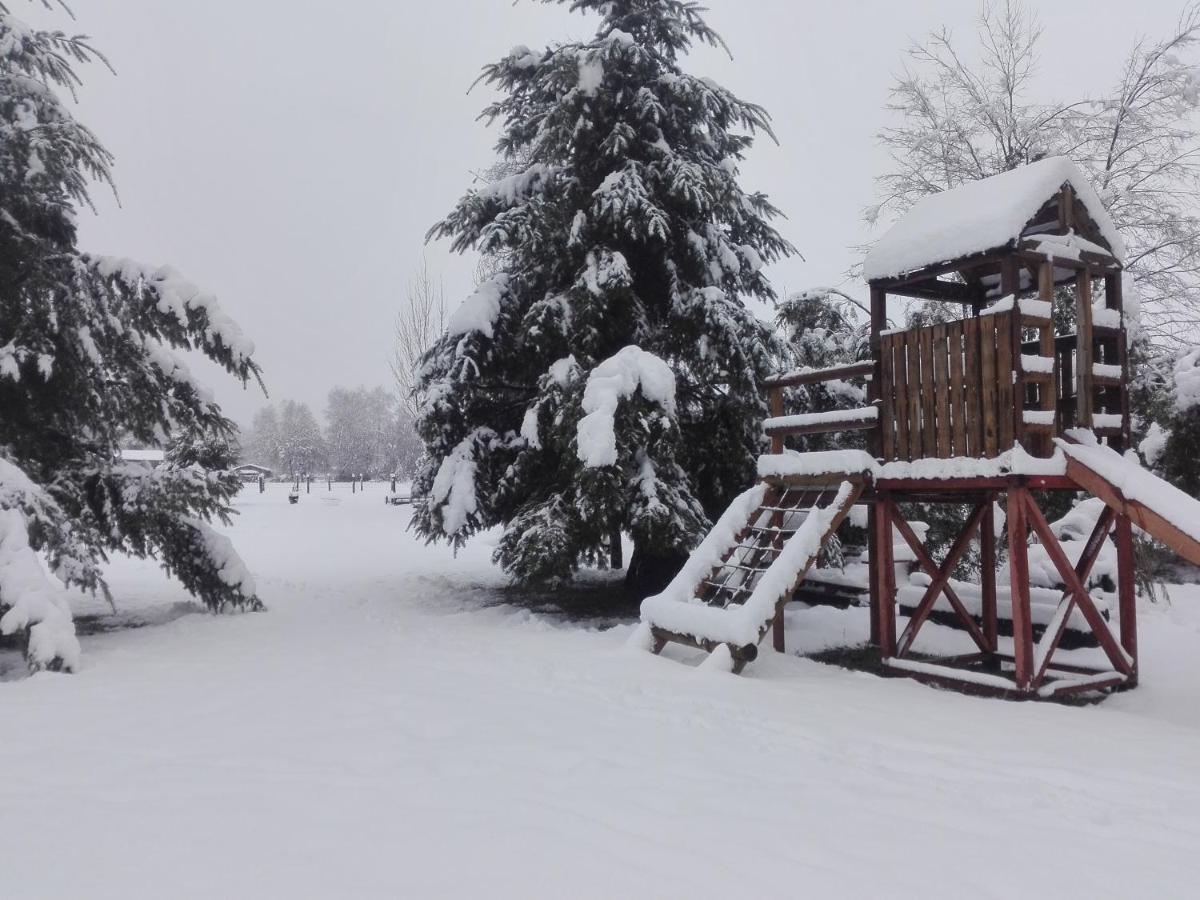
1121, 482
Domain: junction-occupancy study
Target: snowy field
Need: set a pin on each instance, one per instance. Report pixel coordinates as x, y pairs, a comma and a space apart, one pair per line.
388, 730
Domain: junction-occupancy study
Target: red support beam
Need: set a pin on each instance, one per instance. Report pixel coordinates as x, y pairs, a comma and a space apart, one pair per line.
1114, 652
987, 540
885, 573
1126, 592
1018, 564
873, 569
878, 324
1083, 568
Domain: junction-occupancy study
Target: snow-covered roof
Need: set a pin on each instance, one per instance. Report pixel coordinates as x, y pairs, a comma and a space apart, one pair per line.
982, 215
251, 467
140, 454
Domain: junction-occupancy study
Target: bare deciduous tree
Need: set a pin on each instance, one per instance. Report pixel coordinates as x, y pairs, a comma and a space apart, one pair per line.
1139, 142
419, 323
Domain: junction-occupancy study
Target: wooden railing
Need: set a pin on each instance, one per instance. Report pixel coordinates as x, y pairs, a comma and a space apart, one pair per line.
965, 388
780, 426
972, 387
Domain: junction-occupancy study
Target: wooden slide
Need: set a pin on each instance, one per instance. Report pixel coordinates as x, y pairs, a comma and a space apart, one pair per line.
1159, 509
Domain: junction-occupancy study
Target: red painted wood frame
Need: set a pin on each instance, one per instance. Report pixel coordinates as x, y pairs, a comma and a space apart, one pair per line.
1032, 662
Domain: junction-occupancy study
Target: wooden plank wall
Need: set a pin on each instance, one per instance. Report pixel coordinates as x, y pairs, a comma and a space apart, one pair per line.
947, 389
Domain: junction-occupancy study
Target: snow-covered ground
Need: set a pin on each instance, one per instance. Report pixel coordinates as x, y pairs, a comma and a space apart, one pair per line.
387, 730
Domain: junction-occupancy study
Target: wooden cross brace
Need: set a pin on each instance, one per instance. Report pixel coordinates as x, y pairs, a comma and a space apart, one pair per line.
940, 577
1076, 593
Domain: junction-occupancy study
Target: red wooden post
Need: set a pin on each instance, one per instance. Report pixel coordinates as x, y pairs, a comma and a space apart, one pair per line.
873, 570
1084, 350
885, 570
878, 324
777, 639
1126, 592
987, 540
775, 398
1010, 284
1018, 562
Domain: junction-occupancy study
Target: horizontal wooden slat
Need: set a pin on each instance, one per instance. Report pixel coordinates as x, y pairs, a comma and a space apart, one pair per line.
816, 376
822, 427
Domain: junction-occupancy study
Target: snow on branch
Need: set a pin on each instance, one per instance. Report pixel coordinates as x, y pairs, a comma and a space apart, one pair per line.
453, 491
480, 310
618, 377
175, 295
31, 599
229, 566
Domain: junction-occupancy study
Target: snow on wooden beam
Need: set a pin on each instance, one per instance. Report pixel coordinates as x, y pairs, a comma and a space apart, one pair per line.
819, 423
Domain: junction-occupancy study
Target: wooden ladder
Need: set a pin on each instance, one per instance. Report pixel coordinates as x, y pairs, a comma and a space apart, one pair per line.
758, 546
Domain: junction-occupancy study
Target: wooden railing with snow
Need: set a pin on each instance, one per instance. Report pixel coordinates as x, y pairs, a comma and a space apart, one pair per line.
976, 386
781, 426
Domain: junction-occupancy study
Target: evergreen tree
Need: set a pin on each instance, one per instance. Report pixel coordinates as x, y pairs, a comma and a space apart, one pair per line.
262, 444
606, 378
361, 431
90, 351
301, 444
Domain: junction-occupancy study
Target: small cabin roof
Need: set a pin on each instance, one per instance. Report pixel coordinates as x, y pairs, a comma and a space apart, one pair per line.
252, 467
142, 454
983, 215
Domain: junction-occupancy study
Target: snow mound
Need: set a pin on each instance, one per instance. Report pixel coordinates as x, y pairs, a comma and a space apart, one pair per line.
616, 378
33, 600
981, 215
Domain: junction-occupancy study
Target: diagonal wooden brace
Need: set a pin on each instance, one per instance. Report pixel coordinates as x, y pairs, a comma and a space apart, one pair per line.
940, 582
1058, 625
1117, 656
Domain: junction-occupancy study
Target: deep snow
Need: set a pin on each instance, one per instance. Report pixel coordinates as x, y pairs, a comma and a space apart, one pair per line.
383, 731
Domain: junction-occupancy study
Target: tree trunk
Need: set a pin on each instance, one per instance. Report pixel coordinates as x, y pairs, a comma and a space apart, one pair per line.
650, 572
616, 556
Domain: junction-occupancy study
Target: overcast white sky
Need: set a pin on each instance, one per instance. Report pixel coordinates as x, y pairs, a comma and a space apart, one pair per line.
289, 155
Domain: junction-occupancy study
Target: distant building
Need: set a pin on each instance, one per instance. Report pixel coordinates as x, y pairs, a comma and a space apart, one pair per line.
251, 472
149, 457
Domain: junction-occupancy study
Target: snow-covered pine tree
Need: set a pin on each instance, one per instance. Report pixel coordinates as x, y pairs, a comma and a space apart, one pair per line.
301, 444
606, 379
89, 353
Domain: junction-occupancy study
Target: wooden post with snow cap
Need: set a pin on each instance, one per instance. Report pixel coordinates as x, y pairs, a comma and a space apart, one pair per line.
1084, 350
1010, 286
1114, 299
875, 547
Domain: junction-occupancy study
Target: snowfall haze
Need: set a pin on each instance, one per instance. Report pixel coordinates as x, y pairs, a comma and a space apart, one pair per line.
291, 163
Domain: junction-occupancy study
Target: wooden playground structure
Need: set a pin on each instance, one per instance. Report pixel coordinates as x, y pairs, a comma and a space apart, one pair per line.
986, 411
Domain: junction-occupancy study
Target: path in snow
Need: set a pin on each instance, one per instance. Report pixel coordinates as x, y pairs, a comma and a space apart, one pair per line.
377, 733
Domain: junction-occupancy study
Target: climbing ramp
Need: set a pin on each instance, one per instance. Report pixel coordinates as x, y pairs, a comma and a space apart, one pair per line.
1159, 509
738, 580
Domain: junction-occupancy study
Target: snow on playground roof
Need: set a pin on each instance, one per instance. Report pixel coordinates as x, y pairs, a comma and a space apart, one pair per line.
981, 215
